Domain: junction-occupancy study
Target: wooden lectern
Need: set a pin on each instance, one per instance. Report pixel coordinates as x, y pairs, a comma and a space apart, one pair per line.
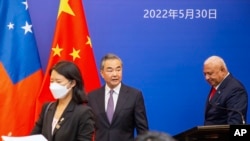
205, 133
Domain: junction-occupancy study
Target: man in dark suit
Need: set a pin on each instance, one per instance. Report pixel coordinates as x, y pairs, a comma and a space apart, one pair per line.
228, 102
119, 109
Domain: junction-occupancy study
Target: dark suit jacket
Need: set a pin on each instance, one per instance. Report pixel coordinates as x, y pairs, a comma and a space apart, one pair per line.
75, 124
228, 104
129, 115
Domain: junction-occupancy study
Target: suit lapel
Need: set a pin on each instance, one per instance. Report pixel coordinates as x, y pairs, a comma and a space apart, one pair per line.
49, 119
122, 98
65, 116
100, 100
221, 88
218, 93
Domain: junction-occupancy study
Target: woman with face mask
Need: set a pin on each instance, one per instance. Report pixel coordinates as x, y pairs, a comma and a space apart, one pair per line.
67, 119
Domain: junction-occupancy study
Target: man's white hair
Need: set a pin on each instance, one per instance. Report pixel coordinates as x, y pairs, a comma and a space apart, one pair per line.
216, 60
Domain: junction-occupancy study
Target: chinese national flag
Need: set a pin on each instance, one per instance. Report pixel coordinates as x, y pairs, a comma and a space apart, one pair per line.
71, 42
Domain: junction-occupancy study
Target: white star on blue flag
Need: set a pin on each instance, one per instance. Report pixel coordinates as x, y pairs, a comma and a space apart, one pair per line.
18, 50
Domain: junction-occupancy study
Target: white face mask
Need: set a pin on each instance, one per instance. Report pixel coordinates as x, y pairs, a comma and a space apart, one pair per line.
58, 91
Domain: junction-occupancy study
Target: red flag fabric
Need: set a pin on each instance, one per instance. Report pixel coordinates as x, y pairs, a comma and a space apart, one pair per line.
20, 69
71, 42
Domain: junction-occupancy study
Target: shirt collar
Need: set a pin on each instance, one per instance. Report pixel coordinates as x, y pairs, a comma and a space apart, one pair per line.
116, 89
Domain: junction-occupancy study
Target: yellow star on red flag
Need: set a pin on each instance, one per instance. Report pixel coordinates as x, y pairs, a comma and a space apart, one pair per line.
75, 54
89, 41
57, 50
65, 7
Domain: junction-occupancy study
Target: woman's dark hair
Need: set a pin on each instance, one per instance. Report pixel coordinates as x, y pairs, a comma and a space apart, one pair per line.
70, 71
154, 136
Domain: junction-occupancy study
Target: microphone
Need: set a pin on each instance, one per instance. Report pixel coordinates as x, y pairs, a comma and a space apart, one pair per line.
223, 108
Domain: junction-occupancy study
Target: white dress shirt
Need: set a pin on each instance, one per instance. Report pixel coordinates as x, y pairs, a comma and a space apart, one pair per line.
115, 95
